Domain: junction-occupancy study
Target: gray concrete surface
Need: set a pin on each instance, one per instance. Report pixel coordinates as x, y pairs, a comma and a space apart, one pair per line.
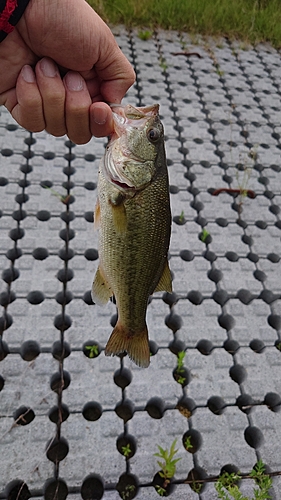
221, 113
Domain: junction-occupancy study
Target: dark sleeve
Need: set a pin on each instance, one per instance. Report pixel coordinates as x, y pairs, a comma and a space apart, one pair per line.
10, 13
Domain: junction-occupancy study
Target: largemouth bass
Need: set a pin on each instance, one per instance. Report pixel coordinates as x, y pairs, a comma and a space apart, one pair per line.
134, 219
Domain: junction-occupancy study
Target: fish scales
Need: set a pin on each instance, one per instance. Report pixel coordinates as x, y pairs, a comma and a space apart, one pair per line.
133, 245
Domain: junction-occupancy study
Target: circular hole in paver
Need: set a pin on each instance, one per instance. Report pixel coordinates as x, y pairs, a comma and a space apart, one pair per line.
92, 411
64, 297
60, 381
7, 298
216, 404
273, 401
23, 415
40, 253
29, 350
231, 346
62, 322
163, 487
92, 487
125, 410
91, 254
57, 449
91, 349
186, 406
55, 489
238, 373
122, 377
245, 403
35, 297
126, 445
60, 350
253, 437
194, 475
205, 346
127, 486
57, 415
192, 440
155, 407
17, 490
257, 345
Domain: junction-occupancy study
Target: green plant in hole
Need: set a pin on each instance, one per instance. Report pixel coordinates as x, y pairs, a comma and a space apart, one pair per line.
161, 491
263, 481
168, 465
187, 443
204, 235
163, 63
93, 350
227, 483
126, 450
63, 198
180, 368
278, 346
145, 34
127, 491
181, 217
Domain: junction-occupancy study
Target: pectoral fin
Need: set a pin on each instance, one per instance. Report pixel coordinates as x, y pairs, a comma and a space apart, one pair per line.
165, 282
97, 215
119, 217
101, 291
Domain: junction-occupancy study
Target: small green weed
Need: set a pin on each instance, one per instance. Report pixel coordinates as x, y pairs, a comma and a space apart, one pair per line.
130, 488
167, 464
161, 491
163, 63
180, 366
204, 235
63, 198
126, 450
145, 34
93, 350
187, 443
227, 483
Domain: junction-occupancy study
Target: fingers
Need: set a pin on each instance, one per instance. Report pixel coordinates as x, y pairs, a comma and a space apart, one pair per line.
101, 120
26, 107
77, 104
52, 93
42, 100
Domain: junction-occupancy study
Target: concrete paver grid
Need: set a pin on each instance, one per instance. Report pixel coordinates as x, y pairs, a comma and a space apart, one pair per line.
221, 112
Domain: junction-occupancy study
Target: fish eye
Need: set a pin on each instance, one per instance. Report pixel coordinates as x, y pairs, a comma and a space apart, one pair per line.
153, 134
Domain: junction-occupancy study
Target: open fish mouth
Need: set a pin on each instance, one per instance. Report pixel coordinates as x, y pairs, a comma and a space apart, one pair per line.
126, 118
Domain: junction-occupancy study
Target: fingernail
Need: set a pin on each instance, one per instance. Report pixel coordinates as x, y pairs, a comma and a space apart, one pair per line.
48, 68
74, 81
28, 74
100, 115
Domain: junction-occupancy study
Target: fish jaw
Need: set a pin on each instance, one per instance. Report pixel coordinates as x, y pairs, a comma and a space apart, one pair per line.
129, 161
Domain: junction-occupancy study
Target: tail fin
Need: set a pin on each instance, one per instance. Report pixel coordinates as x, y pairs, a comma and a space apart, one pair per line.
135, 344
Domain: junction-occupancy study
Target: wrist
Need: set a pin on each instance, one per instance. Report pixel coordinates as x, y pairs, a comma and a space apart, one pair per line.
10, 13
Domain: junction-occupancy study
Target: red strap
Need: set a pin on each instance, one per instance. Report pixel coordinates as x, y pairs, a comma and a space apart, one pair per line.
6, 14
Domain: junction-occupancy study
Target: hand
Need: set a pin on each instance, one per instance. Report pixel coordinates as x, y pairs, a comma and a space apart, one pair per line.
63, 37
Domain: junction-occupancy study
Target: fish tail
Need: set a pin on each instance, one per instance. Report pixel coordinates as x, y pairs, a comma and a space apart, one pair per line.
134, 343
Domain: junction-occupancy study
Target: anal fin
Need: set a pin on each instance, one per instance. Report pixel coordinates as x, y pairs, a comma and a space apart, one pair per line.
165, 282
101, 291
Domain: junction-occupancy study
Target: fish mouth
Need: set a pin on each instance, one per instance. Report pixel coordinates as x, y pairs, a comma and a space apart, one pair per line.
126, 117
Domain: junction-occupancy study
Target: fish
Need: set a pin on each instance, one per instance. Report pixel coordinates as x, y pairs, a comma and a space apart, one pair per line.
133, 216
